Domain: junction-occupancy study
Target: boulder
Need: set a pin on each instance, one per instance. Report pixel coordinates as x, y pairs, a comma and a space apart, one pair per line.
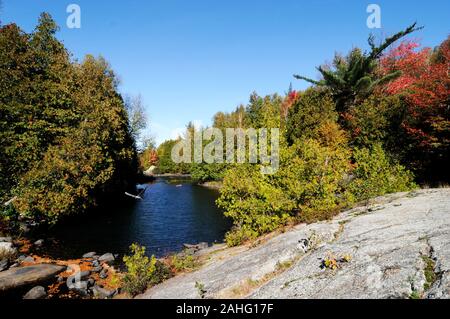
81, 288
5, 239
76, 281
31, 275
107, 258
72, 283
3, 264
104, 274
28, 259
39, 242
7, 248
89, 255
37, 292
103, 293
91, 282
150, 171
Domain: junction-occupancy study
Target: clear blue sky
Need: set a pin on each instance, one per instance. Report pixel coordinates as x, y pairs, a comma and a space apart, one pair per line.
189, 59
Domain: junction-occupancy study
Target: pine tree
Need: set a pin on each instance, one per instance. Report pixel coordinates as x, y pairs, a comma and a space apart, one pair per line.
352, 77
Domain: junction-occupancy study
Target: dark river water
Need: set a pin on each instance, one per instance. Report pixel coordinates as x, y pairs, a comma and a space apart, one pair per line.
169, 215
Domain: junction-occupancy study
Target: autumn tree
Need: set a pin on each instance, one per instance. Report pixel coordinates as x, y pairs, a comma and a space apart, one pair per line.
424, 86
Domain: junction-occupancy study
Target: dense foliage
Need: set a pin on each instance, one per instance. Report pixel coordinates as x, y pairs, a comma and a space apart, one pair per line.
423, 134
374, 119
375, 173
165, 163
64, 131
358, 133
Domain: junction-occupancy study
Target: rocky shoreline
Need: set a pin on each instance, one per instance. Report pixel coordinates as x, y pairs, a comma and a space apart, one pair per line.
26, 273
29, 276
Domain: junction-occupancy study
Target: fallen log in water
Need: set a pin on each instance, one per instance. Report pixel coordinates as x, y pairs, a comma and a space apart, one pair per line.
133, 196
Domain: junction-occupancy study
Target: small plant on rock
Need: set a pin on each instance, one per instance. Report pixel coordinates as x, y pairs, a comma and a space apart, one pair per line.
333, 262
182, 262
330, 262
201, 289
430, 275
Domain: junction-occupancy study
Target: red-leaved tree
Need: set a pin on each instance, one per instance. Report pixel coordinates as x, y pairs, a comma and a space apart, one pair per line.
424, 85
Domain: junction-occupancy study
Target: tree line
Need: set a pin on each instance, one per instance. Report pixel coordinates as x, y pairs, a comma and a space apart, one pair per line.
377, 122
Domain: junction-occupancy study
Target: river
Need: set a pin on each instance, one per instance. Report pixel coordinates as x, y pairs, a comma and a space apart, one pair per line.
169, 215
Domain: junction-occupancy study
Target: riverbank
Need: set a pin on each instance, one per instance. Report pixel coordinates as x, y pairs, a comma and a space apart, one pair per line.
114, 229
396, 247
26, 272
216, 185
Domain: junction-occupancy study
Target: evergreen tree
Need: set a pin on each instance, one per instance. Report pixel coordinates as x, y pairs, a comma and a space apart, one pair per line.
65, 138
352, 78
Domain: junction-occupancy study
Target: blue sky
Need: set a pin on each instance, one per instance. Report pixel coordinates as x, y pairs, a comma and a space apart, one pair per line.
190, 59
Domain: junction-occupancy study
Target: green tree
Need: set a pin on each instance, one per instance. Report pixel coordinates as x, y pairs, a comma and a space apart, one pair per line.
65, 135
313, 108
35, 102
376, 120
165, 163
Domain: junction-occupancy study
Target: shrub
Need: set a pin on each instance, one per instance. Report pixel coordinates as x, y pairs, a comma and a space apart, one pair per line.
141, 270
376, 174
165, 163
253, 202
308, 186
203, 172
312, 176
161, 273
182, 262
239, 235
201, 289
